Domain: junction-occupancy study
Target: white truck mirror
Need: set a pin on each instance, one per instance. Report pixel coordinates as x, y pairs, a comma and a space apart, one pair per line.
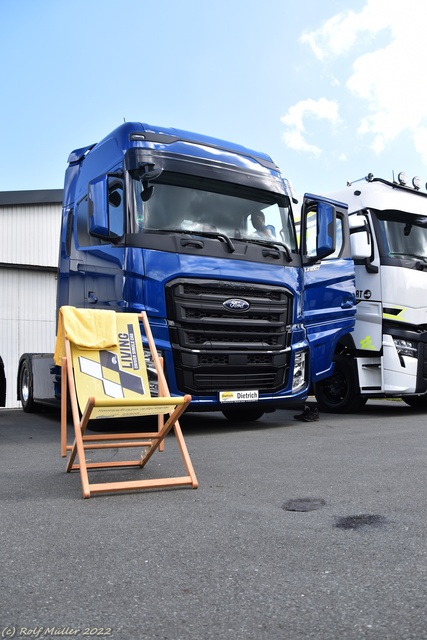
360, 245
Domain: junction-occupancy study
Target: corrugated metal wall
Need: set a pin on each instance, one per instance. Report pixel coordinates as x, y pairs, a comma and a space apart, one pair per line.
29, 241
27, 319
29, 234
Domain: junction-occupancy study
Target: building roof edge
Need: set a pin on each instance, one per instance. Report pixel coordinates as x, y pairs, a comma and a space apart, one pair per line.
39, 196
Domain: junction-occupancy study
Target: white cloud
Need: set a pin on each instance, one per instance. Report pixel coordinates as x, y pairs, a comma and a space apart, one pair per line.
294, 139
340, 33
420, 142
387, 80
321, 109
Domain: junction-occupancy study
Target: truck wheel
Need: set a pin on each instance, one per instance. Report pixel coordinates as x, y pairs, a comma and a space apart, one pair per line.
2, 385
417, 402
242, 415
25, 385
340, 392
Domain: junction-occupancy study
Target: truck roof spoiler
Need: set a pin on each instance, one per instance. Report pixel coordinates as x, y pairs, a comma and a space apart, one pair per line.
78, 154
167, 138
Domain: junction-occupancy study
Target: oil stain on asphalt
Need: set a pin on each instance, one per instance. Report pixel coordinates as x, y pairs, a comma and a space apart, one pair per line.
361, 521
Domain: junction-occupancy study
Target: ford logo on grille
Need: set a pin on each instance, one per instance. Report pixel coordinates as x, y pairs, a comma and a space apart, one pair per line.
236, 304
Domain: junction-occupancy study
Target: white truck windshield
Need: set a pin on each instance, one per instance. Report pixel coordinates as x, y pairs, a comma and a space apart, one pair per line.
403, 235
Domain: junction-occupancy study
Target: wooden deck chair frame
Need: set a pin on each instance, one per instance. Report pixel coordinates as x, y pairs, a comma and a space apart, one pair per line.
150, 442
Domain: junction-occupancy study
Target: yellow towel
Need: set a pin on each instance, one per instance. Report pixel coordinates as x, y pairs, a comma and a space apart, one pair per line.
87, 328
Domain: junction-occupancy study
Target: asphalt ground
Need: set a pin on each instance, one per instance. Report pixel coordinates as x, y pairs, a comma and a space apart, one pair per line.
228, 560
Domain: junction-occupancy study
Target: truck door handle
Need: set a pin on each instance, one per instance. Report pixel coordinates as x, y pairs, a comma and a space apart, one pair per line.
91, 298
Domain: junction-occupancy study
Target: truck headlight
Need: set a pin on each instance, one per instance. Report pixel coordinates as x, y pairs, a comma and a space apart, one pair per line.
298, 380
405, 347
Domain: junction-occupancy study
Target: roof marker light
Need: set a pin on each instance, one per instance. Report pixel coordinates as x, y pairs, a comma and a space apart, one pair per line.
402, 178
416, 183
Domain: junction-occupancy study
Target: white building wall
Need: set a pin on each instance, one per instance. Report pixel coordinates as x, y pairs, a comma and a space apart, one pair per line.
27, 320
29, 244
29, 234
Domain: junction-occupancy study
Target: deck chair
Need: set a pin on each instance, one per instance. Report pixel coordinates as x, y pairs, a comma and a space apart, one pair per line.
104, 375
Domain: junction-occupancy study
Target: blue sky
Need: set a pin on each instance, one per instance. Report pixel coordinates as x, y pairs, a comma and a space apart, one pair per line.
331, 90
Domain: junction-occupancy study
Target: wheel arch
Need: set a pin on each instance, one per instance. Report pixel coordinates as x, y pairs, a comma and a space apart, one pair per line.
340, 393
346, 345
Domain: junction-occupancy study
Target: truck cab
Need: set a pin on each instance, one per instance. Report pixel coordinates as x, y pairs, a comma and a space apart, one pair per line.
167, 221
386, 355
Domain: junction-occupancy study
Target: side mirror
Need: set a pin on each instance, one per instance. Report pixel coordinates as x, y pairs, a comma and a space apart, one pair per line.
360, 246
98, 208
106, 207
326, 230
360, 240
319, 227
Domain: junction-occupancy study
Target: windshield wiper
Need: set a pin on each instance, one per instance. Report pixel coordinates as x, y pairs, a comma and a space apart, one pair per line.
223, 236
270, 243
216, 234
207, 234
420, 262
408, 255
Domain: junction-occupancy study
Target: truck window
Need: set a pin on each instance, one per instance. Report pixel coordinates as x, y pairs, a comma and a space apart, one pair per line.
402, 235
311, 236
115, 211
339, 239
84, 239
116, 206
196, 204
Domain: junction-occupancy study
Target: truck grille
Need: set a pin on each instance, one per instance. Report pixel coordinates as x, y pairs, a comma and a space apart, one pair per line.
216, 349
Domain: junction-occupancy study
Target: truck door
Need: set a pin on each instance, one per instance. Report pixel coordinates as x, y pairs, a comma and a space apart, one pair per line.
99, 261
329, 302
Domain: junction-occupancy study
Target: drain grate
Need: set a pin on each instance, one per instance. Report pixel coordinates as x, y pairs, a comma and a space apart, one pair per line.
360, 521
304, 504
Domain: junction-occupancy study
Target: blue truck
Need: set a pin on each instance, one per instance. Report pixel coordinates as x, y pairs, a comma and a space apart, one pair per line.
247, 300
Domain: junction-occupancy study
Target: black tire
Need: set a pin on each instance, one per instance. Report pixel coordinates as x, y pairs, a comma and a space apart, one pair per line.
416, 402
25, 385
238, 414
340, 392
2, 385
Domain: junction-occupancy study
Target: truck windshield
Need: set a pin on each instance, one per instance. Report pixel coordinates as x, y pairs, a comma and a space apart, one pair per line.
402, 235
199, 205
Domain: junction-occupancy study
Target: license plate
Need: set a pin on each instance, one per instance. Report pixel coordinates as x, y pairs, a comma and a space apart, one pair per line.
238, 396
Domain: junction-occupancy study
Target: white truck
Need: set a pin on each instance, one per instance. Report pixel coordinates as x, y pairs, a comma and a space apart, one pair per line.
386, 355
